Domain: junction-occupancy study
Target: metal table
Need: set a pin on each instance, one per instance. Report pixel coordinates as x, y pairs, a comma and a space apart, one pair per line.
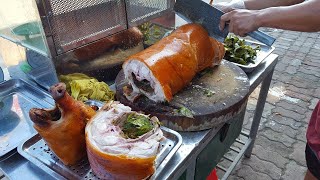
16, 167
195, 142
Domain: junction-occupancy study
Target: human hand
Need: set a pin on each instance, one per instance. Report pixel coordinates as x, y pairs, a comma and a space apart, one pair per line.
241, 21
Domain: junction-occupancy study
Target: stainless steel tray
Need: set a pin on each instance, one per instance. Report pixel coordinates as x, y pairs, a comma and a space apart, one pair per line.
16, 99
36, 151
261, 55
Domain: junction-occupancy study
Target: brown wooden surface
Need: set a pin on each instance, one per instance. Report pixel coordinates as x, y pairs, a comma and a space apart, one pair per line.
229, 83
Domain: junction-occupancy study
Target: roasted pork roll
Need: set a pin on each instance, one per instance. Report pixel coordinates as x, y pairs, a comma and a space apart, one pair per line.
165, 68
122, 144
63, 127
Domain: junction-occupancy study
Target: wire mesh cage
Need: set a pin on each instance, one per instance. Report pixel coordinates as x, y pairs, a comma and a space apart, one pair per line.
92, 37
140, 11
76, 22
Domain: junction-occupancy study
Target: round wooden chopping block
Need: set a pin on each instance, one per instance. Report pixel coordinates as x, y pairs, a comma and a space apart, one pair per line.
214, 96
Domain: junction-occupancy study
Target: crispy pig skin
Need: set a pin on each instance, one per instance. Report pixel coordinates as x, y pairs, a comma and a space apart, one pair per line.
111, 155
119, 167
64, 133
176, 59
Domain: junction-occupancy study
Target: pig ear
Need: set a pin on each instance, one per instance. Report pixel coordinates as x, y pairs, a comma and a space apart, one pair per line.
40, 117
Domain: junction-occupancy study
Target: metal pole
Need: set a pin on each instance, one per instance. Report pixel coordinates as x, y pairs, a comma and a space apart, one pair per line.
191, 170
258, 112
236, 160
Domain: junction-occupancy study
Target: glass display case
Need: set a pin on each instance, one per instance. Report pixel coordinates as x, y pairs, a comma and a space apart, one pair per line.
76, 36
20, 23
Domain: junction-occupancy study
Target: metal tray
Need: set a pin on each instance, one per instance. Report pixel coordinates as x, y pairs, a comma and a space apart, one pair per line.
36, 151
261, 55
17, 97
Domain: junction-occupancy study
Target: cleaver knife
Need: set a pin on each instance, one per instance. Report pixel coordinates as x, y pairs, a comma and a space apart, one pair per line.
208, 16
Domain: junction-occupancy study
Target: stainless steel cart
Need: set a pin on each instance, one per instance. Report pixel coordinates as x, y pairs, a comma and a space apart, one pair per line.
16, 167
185, 161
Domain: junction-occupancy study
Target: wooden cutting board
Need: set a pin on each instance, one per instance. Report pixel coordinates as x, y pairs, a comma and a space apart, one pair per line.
214, 96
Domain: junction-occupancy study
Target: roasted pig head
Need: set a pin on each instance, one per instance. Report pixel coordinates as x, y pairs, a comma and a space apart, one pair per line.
62, 127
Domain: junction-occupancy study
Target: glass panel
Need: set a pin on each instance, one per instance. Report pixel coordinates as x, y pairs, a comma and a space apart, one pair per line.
20, 23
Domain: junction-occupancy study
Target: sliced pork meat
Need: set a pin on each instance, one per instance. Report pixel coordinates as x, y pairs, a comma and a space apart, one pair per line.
122, 144
163, 69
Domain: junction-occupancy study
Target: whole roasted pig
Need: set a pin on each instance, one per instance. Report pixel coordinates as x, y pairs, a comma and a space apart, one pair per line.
165, 68
122, 144
63, 127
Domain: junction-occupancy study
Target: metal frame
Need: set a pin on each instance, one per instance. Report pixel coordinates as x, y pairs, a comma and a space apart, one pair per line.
240, 153
44, 12
195, 142
246, 150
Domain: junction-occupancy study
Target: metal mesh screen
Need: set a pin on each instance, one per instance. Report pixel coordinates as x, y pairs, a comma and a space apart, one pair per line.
139, 11
77, 22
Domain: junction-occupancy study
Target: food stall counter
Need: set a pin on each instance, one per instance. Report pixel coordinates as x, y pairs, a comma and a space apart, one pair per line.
184, 160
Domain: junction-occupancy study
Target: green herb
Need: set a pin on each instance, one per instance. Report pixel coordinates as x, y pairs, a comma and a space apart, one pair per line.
206, 71
184, 111
145, 30
237, 51
136, 125
152, 33
208, 93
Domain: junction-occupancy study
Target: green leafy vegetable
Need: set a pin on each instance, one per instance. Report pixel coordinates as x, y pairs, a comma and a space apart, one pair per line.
136, 125
145, 30
184, 111
237, 51
208, 93
206, 71
152, 33
82, 87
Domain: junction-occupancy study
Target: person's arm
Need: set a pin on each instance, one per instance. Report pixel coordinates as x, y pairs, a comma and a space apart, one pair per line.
299, 17
254, 4
262, 4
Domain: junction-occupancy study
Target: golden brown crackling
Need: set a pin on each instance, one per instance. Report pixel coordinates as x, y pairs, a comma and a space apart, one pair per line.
176, 59
64, 136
